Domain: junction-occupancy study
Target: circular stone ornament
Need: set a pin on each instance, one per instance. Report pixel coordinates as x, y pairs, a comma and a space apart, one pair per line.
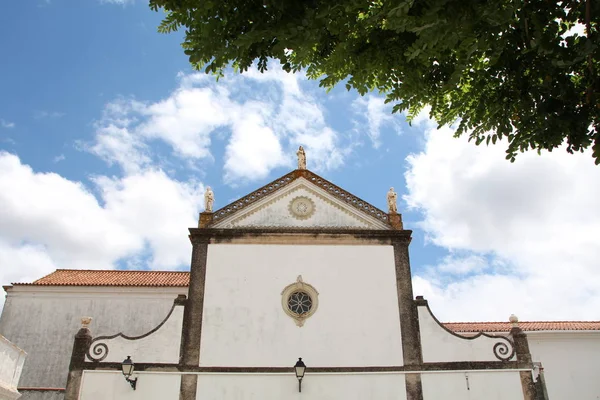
302, 207
299, 300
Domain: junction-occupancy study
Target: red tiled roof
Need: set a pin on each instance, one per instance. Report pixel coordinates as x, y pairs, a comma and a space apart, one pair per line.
527, 326
80, 277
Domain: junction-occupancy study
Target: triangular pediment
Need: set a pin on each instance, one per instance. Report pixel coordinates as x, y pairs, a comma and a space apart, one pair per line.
300, 199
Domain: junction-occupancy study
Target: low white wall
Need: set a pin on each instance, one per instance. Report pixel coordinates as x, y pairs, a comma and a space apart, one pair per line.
44, 320
161, 346
11, 365
484, 385
488, 385
357, 322
111, 385
440, 345
314, 387
571, 361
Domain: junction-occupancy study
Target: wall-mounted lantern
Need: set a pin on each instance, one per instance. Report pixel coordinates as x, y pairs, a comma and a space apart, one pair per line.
300, 368
128, 367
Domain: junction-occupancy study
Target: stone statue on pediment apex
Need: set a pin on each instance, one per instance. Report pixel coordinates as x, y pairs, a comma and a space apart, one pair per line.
301, 158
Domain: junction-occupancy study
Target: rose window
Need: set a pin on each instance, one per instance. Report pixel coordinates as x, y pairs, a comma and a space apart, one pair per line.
299, 303
299, 300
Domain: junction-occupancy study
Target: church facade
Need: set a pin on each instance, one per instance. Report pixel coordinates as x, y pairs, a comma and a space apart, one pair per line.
298, 269
302, 269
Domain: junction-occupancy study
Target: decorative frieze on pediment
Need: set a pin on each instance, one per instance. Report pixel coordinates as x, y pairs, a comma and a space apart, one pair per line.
321, 185
303, 205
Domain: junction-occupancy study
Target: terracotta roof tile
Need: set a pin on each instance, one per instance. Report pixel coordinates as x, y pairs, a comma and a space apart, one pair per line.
527, 326
75, 277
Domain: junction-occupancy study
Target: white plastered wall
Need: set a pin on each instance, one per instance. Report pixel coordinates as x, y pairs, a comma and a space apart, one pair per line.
314, 387
43, 320
160, 346
111, 385
356, 323
439, 345
571, 361
472, 385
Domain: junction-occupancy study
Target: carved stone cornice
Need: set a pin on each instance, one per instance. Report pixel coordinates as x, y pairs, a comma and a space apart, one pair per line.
216, 235
199, 239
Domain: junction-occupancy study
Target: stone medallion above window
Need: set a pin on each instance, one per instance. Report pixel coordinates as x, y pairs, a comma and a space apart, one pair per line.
299, 300
301, 207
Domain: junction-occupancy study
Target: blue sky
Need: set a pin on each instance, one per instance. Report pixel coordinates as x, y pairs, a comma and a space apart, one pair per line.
108, 138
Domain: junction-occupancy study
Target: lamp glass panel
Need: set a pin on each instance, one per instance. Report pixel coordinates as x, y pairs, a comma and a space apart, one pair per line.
127, 367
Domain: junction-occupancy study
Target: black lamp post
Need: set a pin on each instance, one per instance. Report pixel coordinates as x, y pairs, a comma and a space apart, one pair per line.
300, 368
128, 366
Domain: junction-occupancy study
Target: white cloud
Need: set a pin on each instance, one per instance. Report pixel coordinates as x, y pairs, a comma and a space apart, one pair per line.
264, 116
300, 118
48, 114
377, 115
457, 265
254, 149
118, 2
186, 119
23, 263
6, 124
115, 142
156, 209
48, 221
537, 220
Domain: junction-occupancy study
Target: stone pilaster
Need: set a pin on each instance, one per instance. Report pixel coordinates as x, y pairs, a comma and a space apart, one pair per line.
81, 344
524, 356
396, 221
206, 218
192, 317
409, 319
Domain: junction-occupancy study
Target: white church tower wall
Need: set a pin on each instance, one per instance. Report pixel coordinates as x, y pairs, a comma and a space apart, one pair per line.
356, 321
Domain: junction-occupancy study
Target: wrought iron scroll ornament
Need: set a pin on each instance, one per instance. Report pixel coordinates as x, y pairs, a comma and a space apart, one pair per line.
503, 350
98, 351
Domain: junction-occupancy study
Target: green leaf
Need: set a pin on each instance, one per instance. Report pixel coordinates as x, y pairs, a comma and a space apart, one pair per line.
499, 68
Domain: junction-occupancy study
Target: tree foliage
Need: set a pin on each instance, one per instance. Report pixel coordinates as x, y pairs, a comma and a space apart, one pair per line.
502, 69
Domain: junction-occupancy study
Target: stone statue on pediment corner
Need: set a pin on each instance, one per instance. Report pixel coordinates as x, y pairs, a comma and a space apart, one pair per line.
392, 198
209, 199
